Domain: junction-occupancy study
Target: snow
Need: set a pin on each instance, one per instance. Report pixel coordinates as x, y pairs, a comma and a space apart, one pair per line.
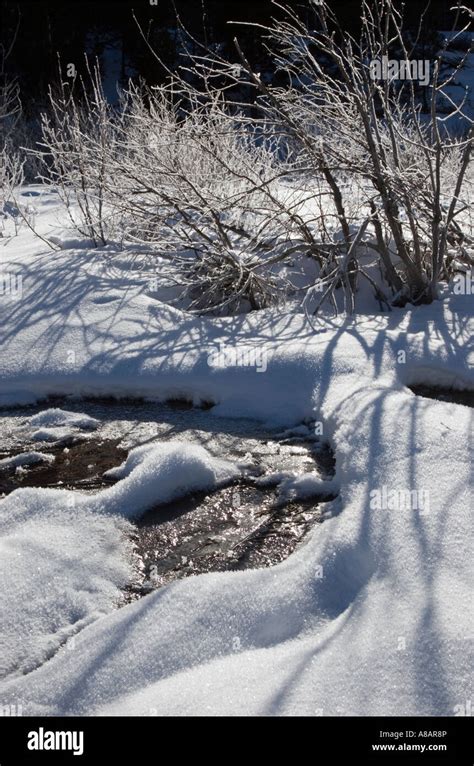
56, 417
158, 473
26, 458
60, 426
61, 567
54, 435
74, 544
306, 486
369, 617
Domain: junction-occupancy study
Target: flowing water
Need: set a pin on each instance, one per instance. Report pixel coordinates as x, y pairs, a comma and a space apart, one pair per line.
235, 527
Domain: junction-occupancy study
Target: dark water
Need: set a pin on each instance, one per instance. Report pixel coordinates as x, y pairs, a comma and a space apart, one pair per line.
445, 394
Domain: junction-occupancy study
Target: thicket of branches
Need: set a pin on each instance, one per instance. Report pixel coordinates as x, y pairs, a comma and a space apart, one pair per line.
11, 161
237, 182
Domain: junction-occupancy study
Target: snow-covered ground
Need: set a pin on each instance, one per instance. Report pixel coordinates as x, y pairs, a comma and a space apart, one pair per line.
370, 617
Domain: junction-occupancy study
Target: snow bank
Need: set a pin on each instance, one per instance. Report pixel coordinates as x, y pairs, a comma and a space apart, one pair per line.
60, 567
63, 555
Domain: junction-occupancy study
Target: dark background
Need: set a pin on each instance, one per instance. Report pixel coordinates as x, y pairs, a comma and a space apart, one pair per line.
106, 29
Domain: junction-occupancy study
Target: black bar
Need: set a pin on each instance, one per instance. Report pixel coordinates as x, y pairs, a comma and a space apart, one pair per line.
129, 740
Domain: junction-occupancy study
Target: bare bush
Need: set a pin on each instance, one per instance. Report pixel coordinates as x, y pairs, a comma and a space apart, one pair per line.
76, 151
199, 187
346, 122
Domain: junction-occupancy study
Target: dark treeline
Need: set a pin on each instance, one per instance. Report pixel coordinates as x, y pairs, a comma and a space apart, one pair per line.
106, 29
